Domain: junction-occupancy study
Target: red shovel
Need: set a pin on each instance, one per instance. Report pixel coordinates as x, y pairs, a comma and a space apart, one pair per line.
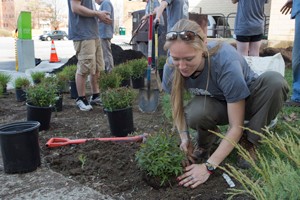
58, 142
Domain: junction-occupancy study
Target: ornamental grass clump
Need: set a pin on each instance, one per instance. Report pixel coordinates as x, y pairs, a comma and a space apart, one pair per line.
160, 157
4, 80
276, 173
22, 82
37, 76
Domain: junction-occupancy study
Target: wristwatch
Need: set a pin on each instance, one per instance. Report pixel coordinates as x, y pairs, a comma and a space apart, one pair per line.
210, 168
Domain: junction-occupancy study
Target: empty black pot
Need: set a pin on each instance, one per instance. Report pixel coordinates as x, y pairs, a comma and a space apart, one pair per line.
20, 147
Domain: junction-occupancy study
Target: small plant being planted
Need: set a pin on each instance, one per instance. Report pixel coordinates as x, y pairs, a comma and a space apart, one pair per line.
109, 81
161, 159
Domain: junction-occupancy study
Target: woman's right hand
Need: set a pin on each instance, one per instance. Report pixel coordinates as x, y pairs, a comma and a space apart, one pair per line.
188, 148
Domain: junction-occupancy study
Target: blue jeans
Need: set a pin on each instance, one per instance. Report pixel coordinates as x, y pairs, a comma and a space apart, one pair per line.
296, 61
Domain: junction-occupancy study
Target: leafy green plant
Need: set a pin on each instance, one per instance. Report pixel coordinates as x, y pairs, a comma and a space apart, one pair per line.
124, 70
22, 82
82, 159
161, 62
37, 76
109, 80
161, 157
4, 79
42, 95
118, 98
69, 72
138, 67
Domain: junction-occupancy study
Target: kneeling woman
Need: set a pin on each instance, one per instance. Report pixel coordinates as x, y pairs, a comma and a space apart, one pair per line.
226, 91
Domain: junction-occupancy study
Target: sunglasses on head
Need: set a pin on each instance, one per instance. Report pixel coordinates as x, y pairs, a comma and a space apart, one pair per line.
184, 35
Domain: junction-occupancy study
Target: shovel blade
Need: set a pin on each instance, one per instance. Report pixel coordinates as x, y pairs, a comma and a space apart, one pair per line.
148, 100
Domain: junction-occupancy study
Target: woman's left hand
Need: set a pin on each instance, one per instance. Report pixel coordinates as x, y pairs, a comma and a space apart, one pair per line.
194, 175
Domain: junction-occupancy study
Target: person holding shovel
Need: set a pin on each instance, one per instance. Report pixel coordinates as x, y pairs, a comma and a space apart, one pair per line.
226, 91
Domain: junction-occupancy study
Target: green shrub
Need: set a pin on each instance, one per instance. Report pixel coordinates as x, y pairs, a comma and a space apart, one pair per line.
161, 62
118, 98
22, 82
161, 157
124, 70
138, 67
109, 80
41, 95
69, 72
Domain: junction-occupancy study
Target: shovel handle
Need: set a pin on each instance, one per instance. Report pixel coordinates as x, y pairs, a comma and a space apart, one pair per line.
58, 142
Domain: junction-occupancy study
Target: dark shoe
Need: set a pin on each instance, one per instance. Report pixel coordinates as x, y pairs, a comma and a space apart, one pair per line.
201, 154
291, 103
241, 162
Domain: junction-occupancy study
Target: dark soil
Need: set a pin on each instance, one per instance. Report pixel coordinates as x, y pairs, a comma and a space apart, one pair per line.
109, 168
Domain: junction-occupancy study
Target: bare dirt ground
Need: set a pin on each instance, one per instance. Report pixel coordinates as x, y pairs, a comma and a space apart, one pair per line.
109, 168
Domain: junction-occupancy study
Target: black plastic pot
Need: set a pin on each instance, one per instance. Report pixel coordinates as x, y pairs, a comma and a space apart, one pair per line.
40, 114
138, 82
73, 90
58, 106
20, 95
161, 72
125, 83
120, 122
20, 147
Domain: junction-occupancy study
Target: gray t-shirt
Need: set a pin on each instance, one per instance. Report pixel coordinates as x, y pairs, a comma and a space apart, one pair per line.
249, 19
106, 30
155, 5
176, 10
230, 77
83, 28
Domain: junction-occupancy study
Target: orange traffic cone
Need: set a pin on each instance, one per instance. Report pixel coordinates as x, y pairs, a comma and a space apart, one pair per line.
53, 55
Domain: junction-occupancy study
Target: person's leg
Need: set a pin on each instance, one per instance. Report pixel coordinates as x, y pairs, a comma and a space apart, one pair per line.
254, 48
83, 51
242, 47
254, 45
98, 65
203, 114
296, 62
107, 54
268, 93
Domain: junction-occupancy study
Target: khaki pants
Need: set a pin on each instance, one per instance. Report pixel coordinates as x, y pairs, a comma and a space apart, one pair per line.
268, 93
90, 56
107, 54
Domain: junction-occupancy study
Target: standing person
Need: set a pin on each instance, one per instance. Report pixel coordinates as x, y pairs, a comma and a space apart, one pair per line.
106, 34
226, 91
295, 14
176, 10
249, 26
83, 30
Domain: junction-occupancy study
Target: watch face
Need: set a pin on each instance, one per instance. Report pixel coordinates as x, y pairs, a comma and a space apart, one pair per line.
209, 166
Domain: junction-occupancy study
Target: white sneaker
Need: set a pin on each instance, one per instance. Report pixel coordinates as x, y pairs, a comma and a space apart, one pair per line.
97, 101
82, 106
